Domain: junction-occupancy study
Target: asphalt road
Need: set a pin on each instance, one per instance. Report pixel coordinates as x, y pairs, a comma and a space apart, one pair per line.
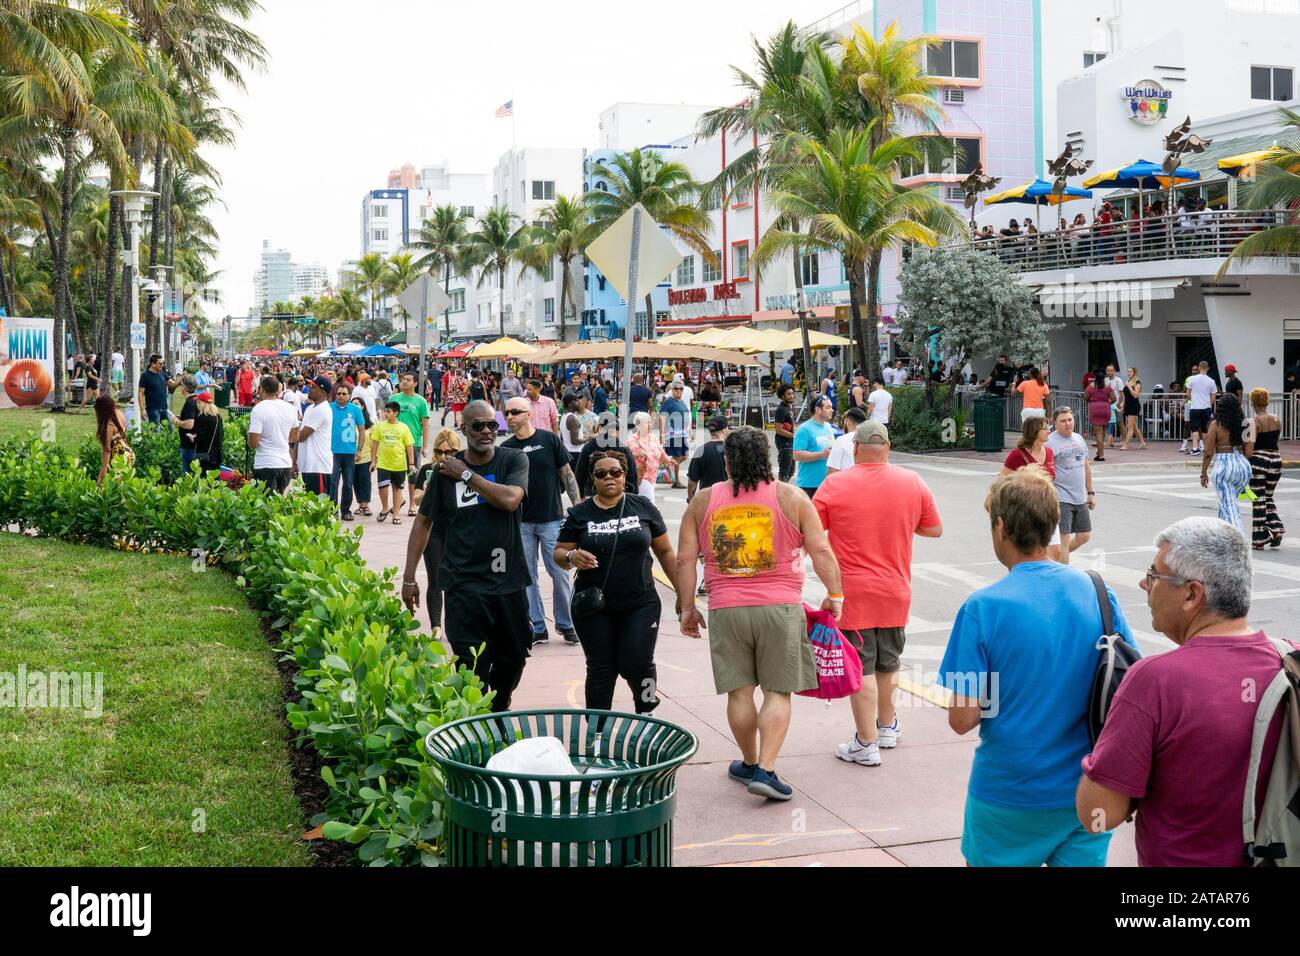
1133, 505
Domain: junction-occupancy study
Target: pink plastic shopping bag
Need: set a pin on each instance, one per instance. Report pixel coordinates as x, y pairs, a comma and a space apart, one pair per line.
839, 669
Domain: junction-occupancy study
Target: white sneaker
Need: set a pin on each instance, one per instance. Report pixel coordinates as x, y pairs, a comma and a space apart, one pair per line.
1183, 447
889, 735
868, 755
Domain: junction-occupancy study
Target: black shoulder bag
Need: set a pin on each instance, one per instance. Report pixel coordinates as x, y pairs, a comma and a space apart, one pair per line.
590, 601
1117, 656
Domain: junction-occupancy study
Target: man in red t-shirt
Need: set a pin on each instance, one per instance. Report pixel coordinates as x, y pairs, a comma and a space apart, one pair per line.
871, 512
1178, 734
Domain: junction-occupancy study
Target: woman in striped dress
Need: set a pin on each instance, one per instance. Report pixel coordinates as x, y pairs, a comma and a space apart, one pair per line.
1266, 469
1227, 450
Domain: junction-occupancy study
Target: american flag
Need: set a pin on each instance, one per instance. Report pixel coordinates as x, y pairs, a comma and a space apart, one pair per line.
506, 109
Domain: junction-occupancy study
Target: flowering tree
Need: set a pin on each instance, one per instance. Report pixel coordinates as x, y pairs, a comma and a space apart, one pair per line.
964, 303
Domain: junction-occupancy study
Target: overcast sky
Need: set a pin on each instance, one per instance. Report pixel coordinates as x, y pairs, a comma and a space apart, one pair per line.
353, 89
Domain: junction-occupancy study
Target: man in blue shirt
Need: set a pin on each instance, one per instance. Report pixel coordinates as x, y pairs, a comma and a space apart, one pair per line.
1020, 663
812, 446
787, 372
349, 421
152, 390
639, 400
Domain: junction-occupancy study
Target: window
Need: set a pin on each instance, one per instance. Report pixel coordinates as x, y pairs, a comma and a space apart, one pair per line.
811, 268
485, 313
740, 261
543, 188
1090, 57
548, 310
467, 212
547, 272
958, 155
457, 301
713, 201
686, 271
379, 235
379, 212
712, 273
959, 59
1271, 83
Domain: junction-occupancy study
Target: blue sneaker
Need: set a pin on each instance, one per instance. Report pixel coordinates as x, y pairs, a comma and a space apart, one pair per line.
769, 785
739, 770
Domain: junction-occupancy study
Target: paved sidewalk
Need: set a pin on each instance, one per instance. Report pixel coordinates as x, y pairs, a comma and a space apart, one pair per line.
907, 812
1157, 454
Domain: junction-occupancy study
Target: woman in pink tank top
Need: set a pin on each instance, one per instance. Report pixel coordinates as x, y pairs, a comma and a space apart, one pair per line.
753, 554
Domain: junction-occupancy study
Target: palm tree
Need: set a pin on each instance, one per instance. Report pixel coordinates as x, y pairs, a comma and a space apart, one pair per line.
890, 76
666, 190
563, 234
369, 275
846, 192
399, 272
442, 239
795, 92
493, 247
1276, 186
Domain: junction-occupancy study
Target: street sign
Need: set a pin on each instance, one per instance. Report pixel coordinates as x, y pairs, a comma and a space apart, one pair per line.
612, 250
137, 335
425, 299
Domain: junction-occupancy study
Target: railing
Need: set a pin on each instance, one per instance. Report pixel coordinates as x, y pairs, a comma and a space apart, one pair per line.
1198, 235
846, 13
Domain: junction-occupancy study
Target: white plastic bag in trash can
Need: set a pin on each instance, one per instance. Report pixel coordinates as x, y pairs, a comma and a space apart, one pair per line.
536, 756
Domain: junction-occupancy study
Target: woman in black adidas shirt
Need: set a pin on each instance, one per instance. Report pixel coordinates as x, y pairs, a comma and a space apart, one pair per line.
608, 539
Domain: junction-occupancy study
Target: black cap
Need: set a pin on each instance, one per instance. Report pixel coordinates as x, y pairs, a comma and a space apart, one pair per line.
717, 423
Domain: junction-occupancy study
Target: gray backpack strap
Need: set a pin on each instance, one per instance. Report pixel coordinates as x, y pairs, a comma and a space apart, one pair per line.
1103, 602
1264, 712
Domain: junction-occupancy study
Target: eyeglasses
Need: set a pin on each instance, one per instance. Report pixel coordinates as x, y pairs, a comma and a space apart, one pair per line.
607, 473
1152, 575
486, 424
511, 412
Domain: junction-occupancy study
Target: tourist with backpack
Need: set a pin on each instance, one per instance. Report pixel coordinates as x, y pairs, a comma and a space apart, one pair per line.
1021, 662
1181, 733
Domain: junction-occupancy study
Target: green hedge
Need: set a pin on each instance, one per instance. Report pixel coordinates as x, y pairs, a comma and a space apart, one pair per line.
372, 685
159, 447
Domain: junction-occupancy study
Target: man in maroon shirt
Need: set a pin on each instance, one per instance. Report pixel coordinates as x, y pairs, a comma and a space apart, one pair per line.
1178, 734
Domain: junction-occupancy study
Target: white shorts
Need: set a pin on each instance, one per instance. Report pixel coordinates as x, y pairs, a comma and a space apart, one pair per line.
647, 489
1028, 413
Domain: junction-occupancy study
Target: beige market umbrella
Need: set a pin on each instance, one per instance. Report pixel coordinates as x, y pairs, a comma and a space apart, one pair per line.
503, 348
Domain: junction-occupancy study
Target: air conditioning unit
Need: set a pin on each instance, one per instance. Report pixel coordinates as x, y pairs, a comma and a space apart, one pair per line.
954, 193
954, 96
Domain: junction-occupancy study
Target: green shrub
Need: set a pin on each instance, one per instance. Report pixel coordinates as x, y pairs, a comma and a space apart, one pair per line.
372, 685
923, 420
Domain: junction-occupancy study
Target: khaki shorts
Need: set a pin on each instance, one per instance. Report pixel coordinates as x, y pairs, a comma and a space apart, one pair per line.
880, 648
763, 646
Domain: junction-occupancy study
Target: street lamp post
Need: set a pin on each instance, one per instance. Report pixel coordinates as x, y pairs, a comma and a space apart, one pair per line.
133, 203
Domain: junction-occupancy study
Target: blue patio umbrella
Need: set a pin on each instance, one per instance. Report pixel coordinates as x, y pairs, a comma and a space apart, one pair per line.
1037, 192
377, 351
1142, 175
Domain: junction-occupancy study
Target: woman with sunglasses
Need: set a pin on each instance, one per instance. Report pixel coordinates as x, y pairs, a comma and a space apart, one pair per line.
445, 443
608, 539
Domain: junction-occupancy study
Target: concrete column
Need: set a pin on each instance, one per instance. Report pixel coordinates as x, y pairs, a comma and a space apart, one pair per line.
1247, 329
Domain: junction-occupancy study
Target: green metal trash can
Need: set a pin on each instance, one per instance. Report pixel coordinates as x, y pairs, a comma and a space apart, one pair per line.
222, 397
616, 811
990, 415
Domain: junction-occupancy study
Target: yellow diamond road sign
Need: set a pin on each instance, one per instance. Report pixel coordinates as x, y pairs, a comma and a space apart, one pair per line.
612, 253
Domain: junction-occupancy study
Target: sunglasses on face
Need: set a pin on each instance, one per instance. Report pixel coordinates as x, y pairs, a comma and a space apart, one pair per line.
487, 424
512, 412
607, 473
444, 451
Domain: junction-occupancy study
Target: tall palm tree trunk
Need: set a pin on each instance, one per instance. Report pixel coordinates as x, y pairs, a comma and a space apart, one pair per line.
106, 326
61, 305
157, 200
6, 299
501, 290
649, 315
871, 342
446, 287
856, 294
803, 314
564, 289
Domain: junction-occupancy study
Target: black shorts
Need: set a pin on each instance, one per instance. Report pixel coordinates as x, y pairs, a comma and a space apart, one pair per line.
316, 483
1199, 419
395, 478
275, 479
498, 624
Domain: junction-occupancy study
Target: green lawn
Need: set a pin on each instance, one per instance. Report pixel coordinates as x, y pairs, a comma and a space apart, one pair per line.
191, 716
67, 429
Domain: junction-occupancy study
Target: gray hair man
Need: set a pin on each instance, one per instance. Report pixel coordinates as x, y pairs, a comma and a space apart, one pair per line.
1178, 734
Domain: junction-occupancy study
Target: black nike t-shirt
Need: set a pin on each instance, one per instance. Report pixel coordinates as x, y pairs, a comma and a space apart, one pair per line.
629, 582
546, 456
484, 550
708, 465
1000, 379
